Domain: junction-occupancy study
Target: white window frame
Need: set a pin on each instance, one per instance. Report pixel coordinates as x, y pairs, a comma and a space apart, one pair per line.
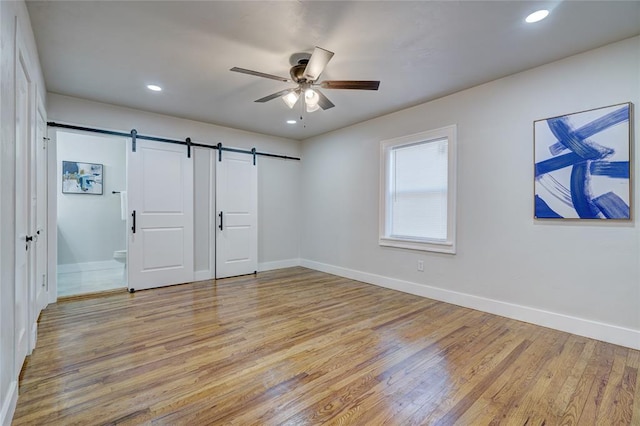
447, 245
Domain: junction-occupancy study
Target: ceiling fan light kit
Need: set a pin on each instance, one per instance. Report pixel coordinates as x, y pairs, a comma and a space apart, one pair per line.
305, 73
291, 98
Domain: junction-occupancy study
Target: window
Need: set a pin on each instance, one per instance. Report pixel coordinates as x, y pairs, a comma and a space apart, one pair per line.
417, 191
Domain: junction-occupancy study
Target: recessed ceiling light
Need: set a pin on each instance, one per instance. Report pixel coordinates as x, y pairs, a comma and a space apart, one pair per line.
154, 87
291, 121
536, 16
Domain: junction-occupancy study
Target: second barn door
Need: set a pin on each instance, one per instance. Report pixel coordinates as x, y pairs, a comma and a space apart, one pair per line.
237, 214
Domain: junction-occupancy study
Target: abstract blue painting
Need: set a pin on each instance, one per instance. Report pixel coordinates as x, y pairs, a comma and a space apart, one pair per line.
81, 178
582, 165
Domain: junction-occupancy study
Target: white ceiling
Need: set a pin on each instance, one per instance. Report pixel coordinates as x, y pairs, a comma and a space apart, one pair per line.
109, 50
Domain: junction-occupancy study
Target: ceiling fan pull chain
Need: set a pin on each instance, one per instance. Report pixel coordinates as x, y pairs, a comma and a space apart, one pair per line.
302, 108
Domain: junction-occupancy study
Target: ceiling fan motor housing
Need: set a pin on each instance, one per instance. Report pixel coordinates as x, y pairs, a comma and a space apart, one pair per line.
297, 71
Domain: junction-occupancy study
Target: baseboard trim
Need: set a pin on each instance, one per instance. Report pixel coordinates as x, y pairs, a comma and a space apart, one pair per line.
88, 266
34, 337
583, 327
9, 404
278, 264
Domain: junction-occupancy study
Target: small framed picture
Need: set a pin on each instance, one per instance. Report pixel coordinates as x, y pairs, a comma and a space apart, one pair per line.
81, 178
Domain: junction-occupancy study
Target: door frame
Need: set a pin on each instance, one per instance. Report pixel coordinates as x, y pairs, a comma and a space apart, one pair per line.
42, 205
52, 216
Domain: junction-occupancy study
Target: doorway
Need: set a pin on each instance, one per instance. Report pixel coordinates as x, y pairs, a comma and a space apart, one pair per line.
157, 211
91, 213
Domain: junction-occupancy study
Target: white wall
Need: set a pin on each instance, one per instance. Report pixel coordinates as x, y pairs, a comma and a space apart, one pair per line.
578, 276
90, 227
279, 225
278, 203
12, 13
204, 212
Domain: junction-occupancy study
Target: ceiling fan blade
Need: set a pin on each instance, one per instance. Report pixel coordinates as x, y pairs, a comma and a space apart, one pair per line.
319, 59
276, 95
351, 84
324, 102
259, 74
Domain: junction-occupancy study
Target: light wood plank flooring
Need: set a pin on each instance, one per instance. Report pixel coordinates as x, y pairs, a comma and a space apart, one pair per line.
299, 347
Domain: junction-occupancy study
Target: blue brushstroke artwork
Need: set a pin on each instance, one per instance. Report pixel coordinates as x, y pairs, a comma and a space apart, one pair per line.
582, 165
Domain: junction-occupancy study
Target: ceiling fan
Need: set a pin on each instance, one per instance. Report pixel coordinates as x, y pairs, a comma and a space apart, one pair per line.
305, 72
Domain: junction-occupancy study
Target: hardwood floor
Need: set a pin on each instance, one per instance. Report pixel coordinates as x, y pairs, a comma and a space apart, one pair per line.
298, 347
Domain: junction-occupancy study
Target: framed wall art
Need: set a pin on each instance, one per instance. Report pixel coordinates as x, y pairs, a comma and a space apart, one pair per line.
81, 178
582, 167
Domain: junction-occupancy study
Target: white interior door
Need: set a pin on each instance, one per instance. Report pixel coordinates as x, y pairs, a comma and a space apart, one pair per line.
32, 206
237, 215
40, 172
21, 301
160, 204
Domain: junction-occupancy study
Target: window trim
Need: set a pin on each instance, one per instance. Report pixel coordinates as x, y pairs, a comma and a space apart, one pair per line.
447, 245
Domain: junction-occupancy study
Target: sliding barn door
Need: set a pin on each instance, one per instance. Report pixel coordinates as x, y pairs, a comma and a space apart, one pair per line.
160, 205
237, 215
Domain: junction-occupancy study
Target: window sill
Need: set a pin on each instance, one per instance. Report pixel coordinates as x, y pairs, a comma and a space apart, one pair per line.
439, 247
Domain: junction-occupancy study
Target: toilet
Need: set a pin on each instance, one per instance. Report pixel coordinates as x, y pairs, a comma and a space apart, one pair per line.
120, 256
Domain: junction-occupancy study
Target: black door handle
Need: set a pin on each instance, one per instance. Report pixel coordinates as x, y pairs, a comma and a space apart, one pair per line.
221, 227
133, 227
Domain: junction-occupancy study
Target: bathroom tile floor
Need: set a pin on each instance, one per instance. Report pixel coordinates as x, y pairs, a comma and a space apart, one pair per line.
73, 283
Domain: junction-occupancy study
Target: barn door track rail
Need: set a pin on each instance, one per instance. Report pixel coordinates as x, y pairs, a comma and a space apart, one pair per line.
187, 142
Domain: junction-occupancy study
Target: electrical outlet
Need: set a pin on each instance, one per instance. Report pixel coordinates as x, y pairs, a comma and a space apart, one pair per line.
421, 265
